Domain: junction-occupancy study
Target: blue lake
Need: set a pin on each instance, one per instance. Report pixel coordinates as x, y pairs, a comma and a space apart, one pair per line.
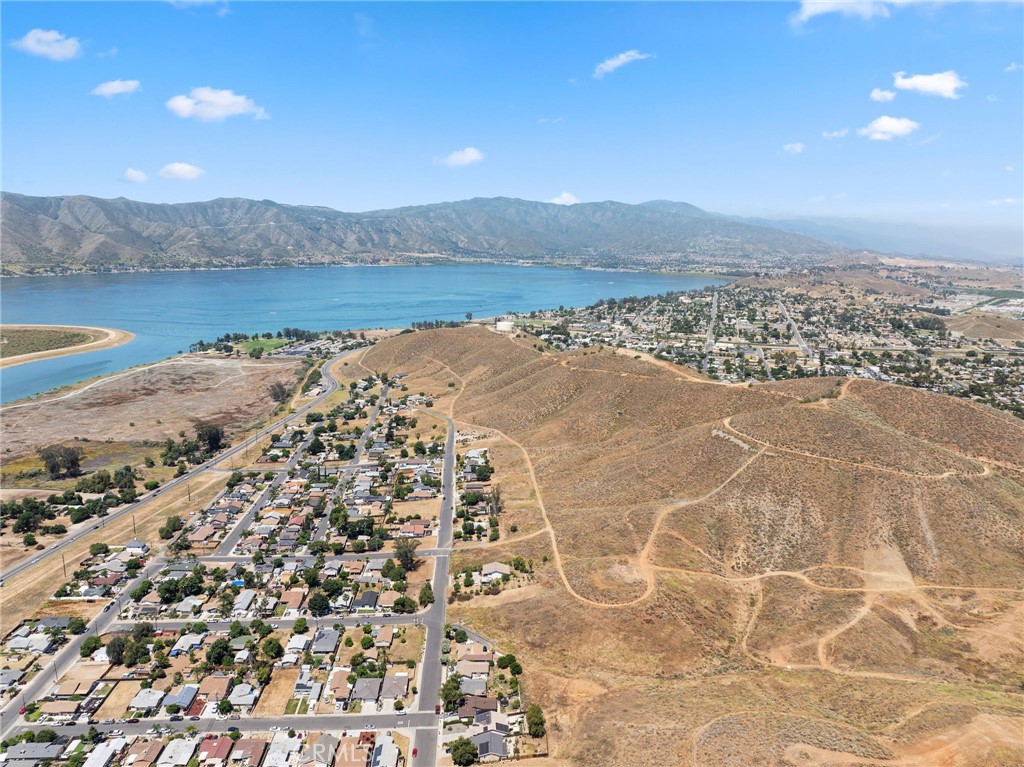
167, 311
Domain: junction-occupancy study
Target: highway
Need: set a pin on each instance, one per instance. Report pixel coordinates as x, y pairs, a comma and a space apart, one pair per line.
146, 499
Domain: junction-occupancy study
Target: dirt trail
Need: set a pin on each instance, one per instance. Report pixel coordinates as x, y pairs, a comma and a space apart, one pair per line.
855, 464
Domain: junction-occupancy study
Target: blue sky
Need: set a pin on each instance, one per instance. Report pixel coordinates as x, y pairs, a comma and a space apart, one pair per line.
359, 107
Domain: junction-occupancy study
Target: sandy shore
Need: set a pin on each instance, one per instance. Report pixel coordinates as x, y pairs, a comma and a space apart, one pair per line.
111, 337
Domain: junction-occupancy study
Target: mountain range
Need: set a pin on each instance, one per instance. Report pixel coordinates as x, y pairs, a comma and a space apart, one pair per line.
80, 233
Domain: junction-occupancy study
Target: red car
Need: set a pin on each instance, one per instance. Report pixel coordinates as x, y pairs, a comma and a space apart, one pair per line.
414, 752
22, 710
437, 709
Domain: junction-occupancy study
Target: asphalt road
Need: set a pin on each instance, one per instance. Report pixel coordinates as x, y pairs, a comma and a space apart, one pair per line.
796, 331
431, 675
147, 498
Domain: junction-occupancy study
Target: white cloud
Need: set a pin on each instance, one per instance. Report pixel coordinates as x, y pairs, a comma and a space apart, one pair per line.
841, 133
181, 171
886, 128
610, 65
877, 94
116, 88
468, 156
945, 84
135, 176
549, 120
50, 44
1005, 201
794, 148
818, 198
991, 98
213, 105
110, 53
1013, 66
863, 9
565, 198
1008, 169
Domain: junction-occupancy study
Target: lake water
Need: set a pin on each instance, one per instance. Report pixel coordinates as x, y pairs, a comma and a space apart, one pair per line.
167, 311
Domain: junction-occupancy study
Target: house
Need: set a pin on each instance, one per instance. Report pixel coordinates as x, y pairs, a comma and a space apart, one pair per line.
367, 601
472, 686
339, 685
386, 601
384, 636
143, 753
474, 704
59, 709
366, 690
187, 643
385, 752
214, 752
215, 687
325, 641
177, 752
493, 720
394, 687
248, 752
189, 604
150, 603
297, 643
29, 754
304, 683
280, 750
146, 700
493, 571
9, 677
351, 752
137, 548
472, 668
243, 602
490, 744
182, 697
320, 752
244, 696
292, 599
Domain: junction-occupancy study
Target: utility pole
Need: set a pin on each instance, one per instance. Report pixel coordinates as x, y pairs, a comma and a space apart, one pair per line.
188, 489
64, 564
135, 530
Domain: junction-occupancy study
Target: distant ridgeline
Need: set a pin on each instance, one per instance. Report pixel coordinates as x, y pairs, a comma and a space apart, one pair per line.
57, 235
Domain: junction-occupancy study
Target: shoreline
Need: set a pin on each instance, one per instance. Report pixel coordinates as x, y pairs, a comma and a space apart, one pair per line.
432, 260
113, 337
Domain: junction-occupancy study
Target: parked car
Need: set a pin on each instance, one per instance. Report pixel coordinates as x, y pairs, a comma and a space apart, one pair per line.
415, 751
177, 718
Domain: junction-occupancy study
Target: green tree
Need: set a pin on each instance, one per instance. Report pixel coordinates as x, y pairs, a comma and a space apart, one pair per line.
115, 649
451, 693
426, 595
76, 625
96, 549
301, 626
405, 553
272, 648
464, 752
536, 725
225, 707
90, 645
319, 604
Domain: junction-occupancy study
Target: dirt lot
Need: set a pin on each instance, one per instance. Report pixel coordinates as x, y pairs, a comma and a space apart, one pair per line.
149, 403
277, 694
117, 702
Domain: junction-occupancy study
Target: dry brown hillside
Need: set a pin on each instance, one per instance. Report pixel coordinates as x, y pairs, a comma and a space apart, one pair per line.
745, 575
